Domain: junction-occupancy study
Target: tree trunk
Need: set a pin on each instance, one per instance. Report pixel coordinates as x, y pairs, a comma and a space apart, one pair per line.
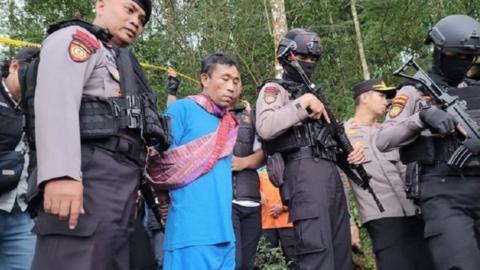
279, 26
361, 51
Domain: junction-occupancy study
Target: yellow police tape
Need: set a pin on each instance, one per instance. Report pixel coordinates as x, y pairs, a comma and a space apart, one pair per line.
18, 43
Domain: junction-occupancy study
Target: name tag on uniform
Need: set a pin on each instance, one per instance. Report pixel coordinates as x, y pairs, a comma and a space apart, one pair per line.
8, 172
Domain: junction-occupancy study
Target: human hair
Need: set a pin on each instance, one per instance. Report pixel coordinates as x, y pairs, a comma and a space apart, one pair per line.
210, 62
4, 68
357, 100
23, 56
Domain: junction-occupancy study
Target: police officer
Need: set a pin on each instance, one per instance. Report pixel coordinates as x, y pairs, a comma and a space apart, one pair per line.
17, 242
397, 233
312, 188
94, 116
427, 136
247, 158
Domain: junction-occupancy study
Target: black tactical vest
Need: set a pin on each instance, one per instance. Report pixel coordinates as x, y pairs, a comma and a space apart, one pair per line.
430, 149
134, 113
246, 183
11, 123
305, 135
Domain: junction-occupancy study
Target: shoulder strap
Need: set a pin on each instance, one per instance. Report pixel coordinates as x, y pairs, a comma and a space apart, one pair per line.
95, 30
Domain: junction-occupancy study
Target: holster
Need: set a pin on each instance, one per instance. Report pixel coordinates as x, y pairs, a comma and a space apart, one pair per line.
412, 181
276, 169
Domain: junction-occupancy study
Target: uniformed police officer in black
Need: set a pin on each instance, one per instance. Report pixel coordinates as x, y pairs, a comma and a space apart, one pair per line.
427, 135
94, 115
312, 187
247, 158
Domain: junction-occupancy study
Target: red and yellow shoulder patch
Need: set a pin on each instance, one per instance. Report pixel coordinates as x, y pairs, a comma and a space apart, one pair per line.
398, 104
271, 94
82, 46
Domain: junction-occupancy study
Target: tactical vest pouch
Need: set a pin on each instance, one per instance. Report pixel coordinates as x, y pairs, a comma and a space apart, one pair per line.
11, 128
11, 167
412, 181
290, 141
156, 128
426, 150
101, 117
276, 169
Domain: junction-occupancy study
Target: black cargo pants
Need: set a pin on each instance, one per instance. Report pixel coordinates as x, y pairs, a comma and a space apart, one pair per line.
318, 209
451, 210
101, 239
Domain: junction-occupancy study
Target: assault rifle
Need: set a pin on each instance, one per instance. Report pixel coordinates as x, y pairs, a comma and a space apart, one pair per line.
151, 200
470, 143
356, 173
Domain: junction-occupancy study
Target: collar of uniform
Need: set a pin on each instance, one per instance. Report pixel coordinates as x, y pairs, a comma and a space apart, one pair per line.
10, 96
353, 124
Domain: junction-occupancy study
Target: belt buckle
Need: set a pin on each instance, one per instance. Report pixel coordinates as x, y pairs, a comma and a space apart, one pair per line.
134, 112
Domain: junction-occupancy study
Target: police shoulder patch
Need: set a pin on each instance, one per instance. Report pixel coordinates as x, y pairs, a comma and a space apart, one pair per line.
398, 104
271, 94
82, 46
394, 111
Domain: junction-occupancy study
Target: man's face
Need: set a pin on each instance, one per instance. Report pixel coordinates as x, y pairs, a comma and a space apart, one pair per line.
223, 85
124, 19
376, 102
12, 81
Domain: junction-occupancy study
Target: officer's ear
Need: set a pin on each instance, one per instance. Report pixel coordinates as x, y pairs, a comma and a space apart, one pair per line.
14, 66
291, 57
363, 98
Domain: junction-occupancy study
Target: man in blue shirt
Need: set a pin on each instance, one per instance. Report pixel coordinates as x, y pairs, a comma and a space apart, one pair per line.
199, 232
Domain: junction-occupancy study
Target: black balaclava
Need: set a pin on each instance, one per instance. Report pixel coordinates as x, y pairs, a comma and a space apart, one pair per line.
291, 73
451, 68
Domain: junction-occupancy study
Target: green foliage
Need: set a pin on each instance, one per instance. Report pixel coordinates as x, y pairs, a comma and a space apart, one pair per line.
181, 33
269, 258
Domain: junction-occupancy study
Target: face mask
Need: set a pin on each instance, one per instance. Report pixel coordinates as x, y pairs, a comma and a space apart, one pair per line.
452, 68
291, 73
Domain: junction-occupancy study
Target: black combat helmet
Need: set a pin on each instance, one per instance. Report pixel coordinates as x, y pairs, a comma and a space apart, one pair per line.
299, 41
456, 40
460, 33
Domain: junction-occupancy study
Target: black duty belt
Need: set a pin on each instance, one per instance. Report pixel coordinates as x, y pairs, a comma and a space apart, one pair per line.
134, 151
441, 168
308, 152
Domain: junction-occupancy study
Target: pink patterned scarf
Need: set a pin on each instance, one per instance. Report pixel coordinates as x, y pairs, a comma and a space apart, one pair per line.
182, 165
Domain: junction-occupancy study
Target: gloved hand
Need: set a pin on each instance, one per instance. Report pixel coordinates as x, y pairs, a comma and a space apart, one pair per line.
172, 85
172, 81
438, 121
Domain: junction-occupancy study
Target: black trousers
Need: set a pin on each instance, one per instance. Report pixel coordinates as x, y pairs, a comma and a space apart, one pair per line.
247, 224
398, 243
101, 239
285, 237
451, 210
318, 209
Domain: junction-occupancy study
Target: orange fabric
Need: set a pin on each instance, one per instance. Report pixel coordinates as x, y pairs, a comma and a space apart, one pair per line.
272, 196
